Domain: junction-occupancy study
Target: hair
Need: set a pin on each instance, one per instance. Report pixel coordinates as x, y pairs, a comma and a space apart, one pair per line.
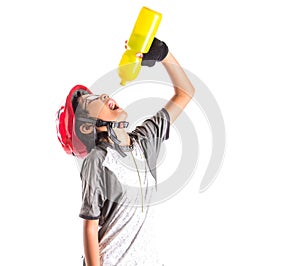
89, 140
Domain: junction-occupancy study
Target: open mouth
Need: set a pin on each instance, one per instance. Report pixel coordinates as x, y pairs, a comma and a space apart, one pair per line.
112, 105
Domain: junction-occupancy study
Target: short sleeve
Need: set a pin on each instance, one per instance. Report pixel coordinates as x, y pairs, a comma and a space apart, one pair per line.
156, 127
93, 192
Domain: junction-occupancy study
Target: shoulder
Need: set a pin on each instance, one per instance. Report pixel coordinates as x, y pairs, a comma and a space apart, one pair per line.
92, 165
154, 126
98, 153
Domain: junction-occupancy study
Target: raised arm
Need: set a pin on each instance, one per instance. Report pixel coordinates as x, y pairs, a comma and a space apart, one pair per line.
183, 88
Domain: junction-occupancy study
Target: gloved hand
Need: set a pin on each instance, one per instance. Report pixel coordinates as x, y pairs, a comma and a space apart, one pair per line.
158, 51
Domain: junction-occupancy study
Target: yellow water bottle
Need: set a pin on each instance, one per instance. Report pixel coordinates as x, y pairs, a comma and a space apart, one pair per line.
140, 41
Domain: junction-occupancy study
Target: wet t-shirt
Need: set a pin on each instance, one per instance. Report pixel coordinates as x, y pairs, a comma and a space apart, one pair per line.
118, 191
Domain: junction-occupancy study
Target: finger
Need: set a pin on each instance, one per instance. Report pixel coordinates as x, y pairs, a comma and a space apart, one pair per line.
139, 55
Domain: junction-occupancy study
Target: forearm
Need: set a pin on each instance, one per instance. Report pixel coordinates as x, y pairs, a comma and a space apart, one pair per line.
181, 82
183, 88
90, 243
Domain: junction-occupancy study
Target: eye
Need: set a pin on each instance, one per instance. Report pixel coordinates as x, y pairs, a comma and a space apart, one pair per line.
104, 97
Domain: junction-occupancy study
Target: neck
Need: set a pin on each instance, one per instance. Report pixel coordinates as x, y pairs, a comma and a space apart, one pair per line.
122, 136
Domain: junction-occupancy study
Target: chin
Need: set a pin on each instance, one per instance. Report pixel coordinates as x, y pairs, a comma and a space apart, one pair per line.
122, 115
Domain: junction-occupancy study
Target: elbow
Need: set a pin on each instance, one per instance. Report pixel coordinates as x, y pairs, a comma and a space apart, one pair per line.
192, 93
187, 93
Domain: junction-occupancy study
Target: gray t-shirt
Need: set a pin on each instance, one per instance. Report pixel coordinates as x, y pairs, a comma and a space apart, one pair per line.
117, 190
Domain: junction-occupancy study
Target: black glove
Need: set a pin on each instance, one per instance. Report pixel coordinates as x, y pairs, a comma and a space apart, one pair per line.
157, 52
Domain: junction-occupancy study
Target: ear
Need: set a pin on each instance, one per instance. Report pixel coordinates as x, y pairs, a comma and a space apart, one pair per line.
86, 128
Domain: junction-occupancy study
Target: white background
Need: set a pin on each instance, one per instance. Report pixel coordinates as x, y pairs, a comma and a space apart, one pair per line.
246, 52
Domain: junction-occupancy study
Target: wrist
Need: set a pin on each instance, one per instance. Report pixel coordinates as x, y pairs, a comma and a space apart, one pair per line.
157, 53
167, 58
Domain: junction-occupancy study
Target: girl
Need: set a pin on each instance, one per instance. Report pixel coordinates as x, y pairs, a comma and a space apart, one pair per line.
119, 168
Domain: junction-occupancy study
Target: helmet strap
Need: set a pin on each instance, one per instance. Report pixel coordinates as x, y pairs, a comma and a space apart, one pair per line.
109, 125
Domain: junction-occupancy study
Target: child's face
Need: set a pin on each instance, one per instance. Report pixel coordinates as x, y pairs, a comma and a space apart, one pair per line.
103, 107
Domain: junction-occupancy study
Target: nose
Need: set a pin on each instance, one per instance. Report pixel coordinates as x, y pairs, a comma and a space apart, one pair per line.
104, 97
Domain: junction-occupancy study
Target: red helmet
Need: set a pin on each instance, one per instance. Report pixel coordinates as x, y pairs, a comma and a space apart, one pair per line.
65, 126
